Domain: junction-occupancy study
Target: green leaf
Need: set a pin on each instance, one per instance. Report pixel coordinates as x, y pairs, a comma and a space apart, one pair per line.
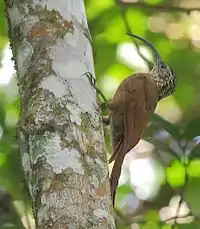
3, 31
98, 23
193, 129
193, 225
2, 115
195, 153
153, 2
150, 225
172, 129
105, 56
122, 191
193, 168
152, 215
166, 226
138, 26
191, 195
176, 174
115, 27
96, 8
2, 158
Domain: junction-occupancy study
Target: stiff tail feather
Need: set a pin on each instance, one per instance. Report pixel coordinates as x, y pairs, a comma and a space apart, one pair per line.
116, 150
116, 171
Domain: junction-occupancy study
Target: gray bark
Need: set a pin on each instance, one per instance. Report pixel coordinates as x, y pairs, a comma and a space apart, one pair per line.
61, 136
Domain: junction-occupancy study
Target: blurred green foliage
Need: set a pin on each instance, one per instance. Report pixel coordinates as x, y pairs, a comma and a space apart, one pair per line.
176, 37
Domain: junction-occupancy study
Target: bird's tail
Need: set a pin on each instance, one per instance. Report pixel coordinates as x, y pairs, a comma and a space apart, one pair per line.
116, 171
116, 150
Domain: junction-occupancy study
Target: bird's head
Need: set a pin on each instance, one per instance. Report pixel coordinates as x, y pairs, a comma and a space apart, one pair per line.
161, 74
165, 79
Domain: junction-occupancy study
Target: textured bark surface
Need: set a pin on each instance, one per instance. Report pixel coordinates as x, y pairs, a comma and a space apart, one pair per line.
61, 137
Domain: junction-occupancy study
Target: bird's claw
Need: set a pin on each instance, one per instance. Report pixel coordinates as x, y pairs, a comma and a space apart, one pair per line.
93, 83
91, 78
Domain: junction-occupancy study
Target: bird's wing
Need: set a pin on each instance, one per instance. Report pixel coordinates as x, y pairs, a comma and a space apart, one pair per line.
116, 107
141, 102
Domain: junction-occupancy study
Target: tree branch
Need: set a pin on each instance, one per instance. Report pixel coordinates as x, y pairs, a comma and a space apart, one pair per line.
134, 41
160, 7
123, 11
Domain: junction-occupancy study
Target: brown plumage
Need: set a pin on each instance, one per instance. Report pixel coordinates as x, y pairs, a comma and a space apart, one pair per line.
135, 99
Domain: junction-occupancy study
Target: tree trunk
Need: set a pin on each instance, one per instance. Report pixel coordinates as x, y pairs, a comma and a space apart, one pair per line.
61, 136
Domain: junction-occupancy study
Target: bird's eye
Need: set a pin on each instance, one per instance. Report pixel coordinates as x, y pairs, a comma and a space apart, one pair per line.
162, 65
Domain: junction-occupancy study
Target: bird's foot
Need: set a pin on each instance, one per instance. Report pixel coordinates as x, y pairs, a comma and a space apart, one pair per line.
93, 83
91, 78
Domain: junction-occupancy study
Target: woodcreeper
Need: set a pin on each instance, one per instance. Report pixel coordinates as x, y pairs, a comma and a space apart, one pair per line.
130, 109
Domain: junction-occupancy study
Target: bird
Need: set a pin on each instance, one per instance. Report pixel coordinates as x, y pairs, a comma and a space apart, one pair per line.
131, 106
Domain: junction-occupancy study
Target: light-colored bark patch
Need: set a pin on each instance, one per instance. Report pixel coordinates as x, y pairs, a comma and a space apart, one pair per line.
16, 16
102, 214
24, 54
26, 162
59, 159
54, 85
